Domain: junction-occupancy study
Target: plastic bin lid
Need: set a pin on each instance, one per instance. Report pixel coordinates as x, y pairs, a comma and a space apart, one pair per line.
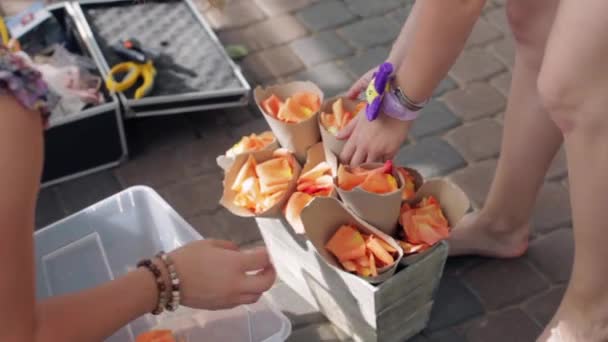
104, 241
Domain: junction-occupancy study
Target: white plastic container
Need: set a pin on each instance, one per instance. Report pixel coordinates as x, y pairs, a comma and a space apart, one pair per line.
104, 241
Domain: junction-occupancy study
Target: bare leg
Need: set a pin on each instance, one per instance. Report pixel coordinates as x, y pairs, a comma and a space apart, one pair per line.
574, 87
530, 141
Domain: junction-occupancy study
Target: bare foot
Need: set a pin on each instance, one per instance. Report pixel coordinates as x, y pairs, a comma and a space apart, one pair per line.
568, 326
478, 235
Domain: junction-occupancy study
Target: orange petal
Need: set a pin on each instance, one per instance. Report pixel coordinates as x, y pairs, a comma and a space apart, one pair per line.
374, 246
386, 246
317, 171
295, 205
372, 265
273, 172
349, 266
164, 335
308, 100
348, 180
272, 105
346, 243
379, 183
338, 109
364, 271
362, 261
247, 171
409, 248
426, 232
293, 112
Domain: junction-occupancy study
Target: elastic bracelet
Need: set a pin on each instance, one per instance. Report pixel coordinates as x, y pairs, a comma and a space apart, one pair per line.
160, 285
175, 285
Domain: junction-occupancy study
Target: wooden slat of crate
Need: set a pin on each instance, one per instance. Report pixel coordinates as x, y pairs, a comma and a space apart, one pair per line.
367, 312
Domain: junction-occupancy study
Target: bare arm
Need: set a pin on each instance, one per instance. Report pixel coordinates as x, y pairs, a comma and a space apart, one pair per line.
59, 319
436, 41
399, 49
430, 42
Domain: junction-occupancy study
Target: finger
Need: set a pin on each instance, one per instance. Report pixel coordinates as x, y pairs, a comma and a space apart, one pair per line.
359, 157
347, 131
347, 152
260, 282
255, 259
355, 90
373, 157
224, 244
248, 298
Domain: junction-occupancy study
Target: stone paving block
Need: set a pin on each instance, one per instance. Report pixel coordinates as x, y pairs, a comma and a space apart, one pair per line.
332, 79
504, 50
48, 207
482, 33
275, 7
325, 14
322, 47
362, 63
400, 14
256, 126
502, 82
478, 140
200, 156
498, 18
506, 326
237, 116
155, 168
191, 197
82, 192
559, 166
370, 32
553, 254
240, 230
476, 101
455, 266
274, 31
365, 8
431, 157
448, 335
234, 14
475, 65
542, 307
298, 310
503, 282
272, 63
444, 86
320, 332
552, 208
434, 119
475, 180
454, 304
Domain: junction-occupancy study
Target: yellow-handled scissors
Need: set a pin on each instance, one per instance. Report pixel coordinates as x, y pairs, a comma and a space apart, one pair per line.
139, 64
134, 71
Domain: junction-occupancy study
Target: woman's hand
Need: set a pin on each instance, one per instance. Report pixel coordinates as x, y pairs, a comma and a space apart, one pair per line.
374, 141
361, 84
216, 275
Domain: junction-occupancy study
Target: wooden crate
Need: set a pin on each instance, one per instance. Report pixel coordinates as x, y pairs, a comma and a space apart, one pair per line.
393, 311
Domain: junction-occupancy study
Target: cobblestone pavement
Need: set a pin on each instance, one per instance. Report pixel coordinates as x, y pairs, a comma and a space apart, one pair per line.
331, 42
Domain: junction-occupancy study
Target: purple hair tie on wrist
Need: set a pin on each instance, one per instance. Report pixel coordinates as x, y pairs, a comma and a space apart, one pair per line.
376, 90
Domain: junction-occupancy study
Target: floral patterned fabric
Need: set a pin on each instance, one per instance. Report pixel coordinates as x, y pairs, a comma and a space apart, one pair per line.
19, 79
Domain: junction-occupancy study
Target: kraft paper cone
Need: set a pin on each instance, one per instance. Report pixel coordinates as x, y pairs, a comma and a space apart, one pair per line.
380, 210
454, 204
296, 137
228, 195
329, 140
225, 162
322, 218
314, 156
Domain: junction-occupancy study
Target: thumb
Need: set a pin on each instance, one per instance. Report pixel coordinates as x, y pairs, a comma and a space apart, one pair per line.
355, 90
346, 132
224, 244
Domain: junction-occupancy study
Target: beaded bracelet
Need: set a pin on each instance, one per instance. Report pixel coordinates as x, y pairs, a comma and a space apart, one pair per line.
175, 295
160, 285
